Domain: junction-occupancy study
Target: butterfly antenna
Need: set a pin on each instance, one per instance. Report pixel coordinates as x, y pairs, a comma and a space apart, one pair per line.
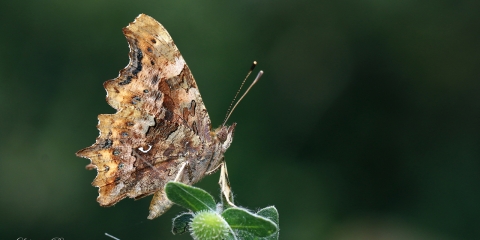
254, 64
106, 234
259, 75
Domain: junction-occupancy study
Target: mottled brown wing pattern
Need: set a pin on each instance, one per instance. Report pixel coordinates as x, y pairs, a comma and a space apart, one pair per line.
161, 120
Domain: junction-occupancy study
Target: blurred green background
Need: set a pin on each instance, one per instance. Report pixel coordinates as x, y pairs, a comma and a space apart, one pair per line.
366, 124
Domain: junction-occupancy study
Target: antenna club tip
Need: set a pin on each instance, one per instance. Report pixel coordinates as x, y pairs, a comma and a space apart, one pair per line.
254, 64
260, 73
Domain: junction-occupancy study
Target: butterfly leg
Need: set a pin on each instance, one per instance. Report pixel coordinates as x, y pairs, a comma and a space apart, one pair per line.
224, 183
180, 172
214, 170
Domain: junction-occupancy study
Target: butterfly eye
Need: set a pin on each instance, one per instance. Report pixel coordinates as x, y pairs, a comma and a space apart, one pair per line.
222, 135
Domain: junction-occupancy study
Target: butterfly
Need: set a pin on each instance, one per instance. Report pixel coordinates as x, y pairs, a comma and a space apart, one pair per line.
161, 131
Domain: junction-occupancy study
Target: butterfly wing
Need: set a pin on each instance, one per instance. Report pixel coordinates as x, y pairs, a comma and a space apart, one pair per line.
160, 121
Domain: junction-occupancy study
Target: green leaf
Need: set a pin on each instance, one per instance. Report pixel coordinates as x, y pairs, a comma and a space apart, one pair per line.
189, 197
242, 220
272, 214
181, 223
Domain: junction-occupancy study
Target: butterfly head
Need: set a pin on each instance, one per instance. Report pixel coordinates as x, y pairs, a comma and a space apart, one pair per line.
225, 135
